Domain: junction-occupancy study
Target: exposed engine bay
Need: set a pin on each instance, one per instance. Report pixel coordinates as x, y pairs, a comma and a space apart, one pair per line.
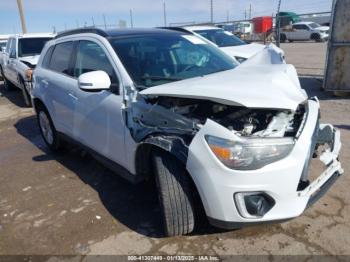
185, 115
244, 121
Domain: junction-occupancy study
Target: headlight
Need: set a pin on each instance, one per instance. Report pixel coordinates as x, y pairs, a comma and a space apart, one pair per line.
250, 153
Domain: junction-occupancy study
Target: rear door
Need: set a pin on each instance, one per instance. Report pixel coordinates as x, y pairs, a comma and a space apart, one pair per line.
98, 121
60, 85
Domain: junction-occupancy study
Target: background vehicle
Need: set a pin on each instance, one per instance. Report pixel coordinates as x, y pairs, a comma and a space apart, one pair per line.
305, 31
167, 105
288, 18
228, 42
21, 54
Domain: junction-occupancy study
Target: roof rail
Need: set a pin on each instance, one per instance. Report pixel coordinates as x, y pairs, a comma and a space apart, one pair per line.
92, 30
175, 28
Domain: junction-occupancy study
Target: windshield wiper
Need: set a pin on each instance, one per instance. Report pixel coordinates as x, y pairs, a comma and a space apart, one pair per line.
161, 78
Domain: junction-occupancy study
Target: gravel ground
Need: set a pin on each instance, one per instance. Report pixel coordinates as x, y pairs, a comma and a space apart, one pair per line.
59, 204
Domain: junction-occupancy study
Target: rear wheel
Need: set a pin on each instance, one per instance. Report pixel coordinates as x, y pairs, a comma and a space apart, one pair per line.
47, 129
283, 38
175, 195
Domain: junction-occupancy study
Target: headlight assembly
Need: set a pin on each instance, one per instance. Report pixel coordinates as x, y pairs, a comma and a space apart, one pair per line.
249, 153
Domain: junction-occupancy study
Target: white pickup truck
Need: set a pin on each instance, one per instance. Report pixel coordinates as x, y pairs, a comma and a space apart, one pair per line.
305, 31
19, 58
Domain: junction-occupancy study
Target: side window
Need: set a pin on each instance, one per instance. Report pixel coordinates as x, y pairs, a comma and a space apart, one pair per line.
304, 27
297, 27
47, 58
91, 57
60, 59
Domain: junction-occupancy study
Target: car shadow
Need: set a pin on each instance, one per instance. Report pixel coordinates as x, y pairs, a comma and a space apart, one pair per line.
15, 96
345, 127
135, 206
313, 87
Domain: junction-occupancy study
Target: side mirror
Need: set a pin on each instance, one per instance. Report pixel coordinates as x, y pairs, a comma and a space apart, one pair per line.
13, 54
94, 81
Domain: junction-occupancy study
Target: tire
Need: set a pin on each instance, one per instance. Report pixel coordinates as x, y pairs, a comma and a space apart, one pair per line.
47, 129
291, 41
283, 38
316, 37
175, 195
26, 96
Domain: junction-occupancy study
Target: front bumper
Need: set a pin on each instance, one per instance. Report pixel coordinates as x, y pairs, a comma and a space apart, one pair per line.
218, 185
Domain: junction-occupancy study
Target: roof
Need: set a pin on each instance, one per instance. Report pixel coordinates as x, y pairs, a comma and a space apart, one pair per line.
119, 32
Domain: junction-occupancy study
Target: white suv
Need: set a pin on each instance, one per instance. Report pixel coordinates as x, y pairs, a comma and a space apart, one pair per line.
164, 105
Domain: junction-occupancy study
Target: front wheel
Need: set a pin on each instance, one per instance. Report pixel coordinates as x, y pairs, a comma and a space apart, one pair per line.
47, 129
174, 191
26, 95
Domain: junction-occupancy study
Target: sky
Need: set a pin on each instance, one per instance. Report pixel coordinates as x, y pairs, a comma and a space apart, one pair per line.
44, 15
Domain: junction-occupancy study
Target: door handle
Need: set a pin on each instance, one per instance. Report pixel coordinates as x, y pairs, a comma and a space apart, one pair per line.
73, 96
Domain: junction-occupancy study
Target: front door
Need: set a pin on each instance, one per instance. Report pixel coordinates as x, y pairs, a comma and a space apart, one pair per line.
98, 121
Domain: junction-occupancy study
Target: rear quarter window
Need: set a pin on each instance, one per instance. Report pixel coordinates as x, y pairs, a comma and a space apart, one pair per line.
61, 57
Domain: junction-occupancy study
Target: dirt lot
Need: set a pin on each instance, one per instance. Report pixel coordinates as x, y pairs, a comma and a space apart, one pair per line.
70, 204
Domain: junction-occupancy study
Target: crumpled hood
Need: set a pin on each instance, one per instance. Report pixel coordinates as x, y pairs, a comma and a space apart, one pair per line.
244, 51
33, 60
257, 86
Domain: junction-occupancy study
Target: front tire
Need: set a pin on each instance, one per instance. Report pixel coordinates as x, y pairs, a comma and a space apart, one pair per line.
26, 95
316, 37
175, 195
47, 129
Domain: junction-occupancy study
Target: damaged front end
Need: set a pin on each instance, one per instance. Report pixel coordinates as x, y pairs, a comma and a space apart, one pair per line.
172, 122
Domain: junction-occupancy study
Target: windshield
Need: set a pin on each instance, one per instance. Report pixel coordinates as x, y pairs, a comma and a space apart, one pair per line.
158, 59
31, 46
221, 37
314, 25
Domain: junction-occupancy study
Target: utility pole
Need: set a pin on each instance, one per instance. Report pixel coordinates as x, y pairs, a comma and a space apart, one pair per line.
278, 25
131, 19
21, 14
228, 15
245, 14
211, 11
250, 12
164, 13
93, 21
104, 21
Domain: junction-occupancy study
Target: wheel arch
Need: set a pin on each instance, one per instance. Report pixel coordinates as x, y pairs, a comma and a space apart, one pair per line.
172, 145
